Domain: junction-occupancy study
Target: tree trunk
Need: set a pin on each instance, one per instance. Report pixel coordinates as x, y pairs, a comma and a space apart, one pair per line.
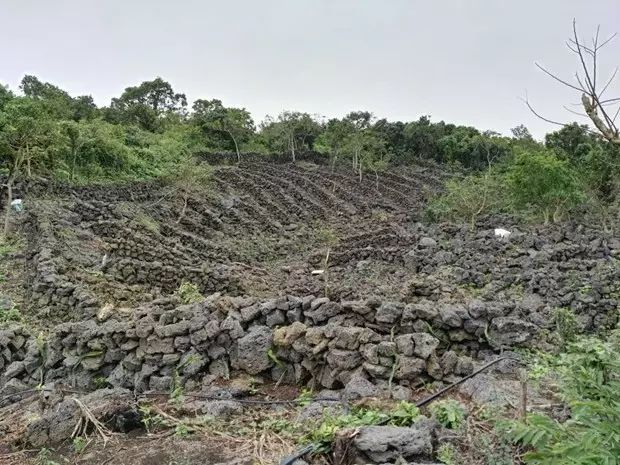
377, 179
184, 209
293, 148
9, 199
73, 164
236, 148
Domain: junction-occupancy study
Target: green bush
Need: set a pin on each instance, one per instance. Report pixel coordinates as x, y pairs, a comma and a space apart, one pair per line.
543, 184
468, 198
402, 414
189, 293
449, 413
589, 375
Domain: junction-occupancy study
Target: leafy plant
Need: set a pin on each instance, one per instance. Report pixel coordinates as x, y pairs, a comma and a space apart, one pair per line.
589, 374
450, 413
271, 354
101, 382
189, 293
566, 324
403, 414
305, 397
8, 315
446, 454
150, 419
182, 431
43, 458
469, 198
79, 444
543, 183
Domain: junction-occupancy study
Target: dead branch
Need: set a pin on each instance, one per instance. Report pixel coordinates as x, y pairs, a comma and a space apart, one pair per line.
587, 85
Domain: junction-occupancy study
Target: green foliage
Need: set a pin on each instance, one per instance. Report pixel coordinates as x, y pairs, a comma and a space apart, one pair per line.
101, 382
271, 355
403, 414
446, 454
536, 184
151, 106
291, 132
150, 419
566, 324
43, 458
450, 413
182, 431
226, 128
189, 293
589, 376
473, 150
9, 315
544, 184
305, 397
468, 198
79, 444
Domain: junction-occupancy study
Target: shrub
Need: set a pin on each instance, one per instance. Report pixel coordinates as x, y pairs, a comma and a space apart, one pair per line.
589, 376
450, 413
403, 414
566, 324
468, 198
543, 184
189, 293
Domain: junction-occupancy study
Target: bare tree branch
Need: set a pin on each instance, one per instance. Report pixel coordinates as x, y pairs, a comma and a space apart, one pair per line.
575, 112
616, 115
600, 94
591, 97
558, 79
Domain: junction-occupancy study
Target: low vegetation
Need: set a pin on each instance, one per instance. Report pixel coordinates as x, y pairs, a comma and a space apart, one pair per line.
589, 383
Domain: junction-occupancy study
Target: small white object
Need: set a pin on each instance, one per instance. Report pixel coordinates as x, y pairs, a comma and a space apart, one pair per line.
317, 271
17, 205
503, 233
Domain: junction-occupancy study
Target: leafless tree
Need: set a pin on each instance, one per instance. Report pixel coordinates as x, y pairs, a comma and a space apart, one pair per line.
600, 109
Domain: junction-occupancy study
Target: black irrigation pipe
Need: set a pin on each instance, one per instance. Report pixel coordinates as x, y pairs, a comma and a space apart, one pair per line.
289, 460
431, 398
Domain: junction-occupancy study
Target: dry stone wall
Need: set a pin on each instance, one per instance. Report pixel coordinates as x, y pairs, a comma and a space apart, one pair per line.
305, 340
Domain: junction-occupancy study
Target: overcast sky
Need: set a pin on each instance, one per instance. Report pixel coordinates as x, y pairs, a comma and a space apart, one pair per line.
464, 61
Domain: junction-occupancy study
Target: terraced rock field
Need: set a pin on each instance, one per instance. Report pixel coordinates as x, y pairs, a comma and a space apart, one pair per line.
300, 277
260, 229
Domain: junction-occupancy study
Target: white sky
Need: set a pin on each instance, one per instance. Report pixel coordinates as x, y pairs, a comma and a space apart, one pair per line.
466, 62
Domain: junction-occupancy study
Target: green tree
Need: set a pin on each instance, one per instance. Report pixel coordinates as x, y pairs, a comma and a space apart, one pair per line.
147, 105
5, 96
522, 133
333, 140
57, 102
469, 198
235, 124
292, 132
25, 135
543, 183
75, 139
573, 141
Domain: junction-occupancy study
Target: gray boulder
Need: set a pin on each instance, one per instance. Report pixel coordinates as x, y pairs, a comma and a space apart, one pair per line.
359, 387
250, 352
510, 331
381, 444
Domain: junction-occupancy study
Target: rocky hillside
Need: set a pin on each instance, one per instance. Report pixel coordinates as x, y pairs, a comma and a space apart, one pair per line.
299, 275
